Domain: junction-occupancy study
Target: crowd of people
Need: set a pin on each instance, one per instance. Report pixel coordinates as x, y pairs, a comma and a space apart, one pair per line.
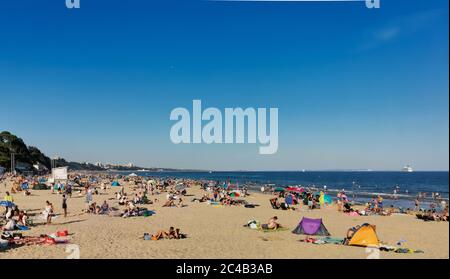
143, 192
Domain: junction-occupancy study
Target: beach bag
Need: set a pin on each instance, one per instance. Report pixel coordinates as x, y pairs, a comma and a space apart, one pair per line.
253, 224
3, 244
17, 236
62, 233
50, 241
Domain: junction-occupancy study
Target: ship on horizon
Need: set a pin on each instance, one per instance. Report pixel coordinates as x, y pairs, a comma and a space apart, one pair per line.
407, 168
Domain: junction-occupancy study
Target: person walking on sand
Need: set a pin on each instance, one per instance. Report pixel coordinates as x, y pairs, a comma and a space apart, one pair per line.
64, 205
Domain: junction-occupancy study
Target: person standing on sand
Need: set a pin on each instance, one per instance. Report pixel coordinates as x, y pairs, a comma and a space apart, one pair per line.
88, 198
8, 198
69, 190
416, 204
64, 205
48, 212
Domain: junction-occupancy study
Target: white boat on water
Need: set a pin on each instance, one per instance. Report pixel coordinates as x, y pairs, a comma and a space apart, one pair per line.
407, 168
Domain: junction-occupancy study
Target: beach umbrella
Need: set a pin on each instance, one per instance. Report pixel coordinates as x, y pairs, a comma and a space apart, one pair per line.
234, 194
7, 204
280, 189
295, 189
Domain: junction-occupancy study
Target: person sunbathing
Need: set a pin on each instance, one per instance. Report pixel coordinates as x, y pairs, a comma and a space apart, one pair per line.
353, 230
104, 208
11, 225
350, 234
275, 204
92, 208
180, 202
202, 199
169, 203
123, 200
23, 217
175, 234
136, 199
444, 215
272, 224
348, 208
160, 234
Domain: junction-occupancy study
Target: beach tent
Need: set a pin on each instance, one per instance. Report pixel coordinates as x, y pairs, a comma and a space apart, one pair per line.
132, 175
328, 199
279, 189
325, 199
365, 236
311, 227
115, 184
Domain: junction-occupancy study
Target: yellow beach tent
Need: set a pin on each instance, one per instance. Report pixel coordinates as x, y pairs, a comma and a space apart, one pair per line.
365, 236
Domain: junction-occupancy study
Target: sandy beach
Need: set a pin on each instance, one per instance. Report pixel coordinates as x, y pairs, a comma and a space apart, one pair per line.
214, 231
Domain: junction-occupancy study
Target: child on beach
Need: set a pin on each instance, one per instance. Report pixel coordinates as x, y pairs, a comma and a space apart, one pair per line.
48, 212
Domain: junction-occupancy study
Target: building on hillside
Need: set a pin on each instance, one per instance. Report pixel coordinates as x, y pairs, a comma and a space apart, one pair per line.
24, 167
40, 167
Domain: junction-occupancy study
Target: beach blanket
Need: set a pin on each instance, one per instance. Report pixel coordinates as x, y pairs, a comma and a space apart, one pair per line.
272, 230
401, 250
333, 240
324, 240
23, 228
218, 204
353, 213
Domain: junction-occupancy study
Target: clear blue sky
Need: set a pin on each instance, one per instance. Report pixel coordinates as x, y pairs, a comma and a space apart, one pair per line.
355, 88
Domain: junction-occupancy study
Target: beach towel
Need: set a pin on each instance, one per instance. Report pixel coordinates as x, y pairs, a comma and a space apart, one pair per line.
23, 228
400, 250
217, 204
353, 214
272, 230
333, 240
